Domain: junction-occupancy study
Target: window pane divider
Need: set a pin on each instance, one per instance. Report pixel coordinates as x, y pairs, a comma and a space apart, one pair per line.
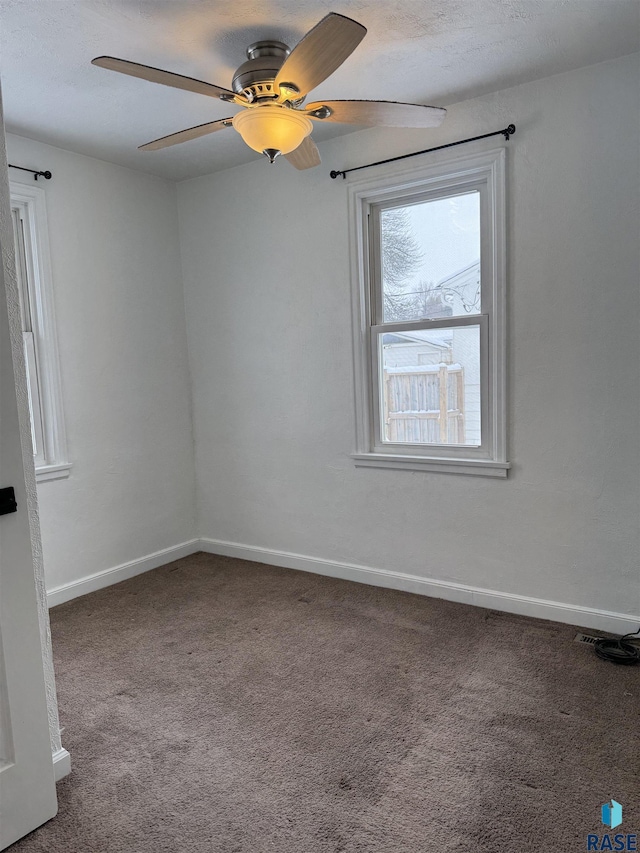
427, 324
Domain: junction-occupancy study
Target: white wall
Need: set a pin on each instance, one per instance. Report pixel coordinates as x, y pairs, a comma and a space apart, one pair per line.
266, 271
121, 332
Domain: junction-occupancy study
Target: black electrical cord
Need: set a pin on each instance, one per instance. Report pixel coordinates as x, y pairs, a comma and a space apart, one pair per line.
619, 651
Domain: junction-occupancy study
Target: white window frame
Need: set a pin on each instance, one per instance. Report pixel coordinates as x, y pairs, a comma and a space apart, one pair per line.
484, 172
52, 462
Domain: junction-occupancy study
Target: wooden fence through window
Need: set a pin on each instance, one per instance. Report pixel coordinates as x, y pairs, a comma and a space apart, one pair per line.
425, 406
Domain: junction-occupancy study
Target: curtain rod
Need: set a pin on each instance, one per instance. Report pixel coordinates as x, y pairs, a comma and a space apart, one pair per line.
506, 132
46, 175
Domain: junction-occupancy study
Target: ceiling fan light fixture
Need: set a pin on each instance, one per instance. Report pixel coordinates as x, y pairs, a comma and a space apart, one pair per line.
272, 128
272, 86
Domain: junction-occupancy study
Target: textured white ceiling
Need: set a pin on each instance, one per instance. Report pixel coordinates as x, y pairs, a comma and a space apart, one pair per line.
423, 51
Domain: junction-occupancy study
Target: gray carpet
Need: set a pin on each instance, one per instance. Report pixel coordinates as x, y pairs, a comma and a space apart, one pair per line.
228, 707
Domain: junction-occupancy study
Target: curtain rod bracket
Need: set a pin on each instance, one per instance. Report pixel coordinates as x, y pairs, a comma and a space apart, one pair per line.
507, 132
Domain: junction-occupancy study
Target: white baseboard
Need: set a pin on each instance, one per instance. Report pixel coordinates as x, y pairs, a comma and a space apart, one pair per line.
61, 764
571, 614
91, 583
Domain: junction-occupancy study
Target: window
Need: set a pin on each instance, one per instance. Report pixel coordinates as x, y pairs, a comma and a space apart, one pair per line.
429, 317
28, 212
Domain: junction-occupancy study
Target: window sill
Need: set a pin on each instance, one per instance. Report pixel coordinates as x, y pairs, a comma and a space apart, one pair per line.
53, 472
474, 467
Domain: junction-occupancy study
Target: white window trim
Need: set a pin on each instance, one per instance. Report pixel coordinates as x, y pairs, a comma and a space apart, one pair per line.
31, 202
487, 167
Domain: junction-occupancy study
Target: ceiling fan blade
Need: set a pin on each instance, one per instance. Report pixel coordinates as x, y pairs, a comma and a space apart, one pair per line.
305, 156
320, 52
186, 135
377, 113
166, 78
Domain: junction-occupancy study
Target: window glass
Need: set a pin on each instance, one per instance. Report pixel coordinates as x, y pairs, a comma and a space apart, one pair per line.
430, 258
430, 386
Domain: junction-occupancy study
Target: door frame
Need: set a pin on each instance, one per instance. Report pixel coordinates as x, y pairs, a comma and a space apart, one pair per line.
61, 758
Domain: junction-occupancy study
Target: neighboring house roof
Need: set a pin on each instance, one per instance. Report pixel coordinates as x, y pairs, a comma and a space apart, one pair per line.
437, 338
470, 269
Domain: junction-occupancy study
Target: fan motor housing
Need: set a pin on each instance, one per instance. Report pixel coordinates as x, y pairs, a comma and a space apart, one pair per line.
255, 77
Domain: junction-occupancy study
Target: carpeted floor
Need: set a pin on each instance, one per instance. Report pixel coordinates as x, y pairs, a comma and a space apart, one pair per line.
220, 706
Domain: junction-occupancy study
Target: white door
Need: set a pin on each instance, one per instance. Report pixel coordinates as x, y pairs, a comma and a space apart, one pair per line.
27, 786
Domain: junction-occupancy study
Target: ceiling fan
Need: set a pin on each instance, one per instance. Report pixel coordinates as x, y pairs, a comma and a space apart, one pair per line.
272, 85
